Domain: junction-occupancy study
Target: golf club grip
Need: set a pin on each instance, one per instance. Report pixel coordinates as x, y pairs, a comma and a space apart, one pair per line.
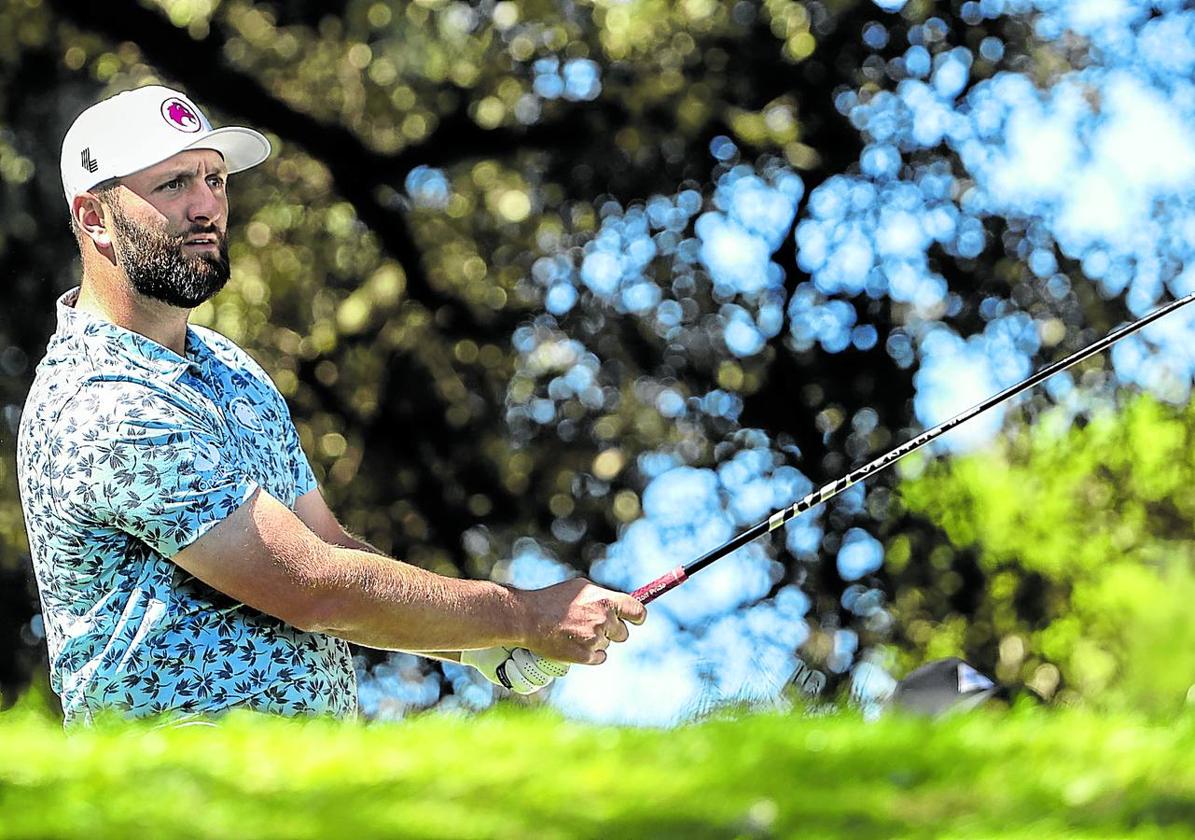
670, 580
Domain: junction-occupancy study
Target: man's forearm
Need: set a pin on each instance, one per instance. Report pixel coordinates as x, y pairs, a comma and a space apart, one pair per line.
442, 655
347, 540
350, 540
383, 603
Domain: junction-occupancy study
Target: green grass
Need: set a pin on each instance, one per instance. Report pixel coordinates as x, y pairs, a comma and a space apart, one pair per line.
1030, 773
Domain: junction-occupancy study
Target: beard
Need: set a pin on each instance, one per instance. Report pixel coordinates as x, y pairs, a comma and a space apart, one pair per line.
157, 267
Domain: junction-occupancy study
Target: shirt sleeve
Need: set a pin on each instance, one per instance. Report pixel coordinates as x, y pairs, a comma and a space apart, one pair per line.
144, 463
304, 477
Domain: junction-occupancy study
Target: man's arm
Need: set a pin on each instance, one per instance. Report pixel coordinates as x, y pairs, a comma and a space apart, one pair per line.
265, 556
316, 515
313, 509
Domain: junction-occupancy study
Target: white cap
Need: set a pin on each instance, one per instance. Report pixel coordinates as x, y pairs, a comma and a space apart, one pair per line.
138, 128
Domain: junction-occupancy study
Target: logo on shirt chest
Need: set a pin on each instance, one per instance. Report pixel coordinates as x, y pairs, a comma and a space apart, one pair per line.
243, 412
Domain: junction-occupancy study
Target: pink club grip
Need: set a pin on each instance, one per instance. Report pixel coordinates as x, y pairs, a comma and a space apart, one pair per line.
649, 592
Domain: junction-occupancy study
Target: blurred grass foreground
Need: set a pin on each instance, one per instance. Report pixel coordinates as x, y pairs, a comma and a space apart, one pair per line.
514, 773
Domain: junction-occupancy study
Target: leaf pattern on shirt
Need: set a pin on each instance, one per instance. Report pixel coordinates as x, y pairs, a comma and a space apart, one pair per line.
128, 453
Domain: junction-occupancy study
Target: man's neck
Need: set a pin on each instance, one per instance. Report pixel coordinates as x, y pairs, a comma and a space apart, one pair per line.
113, 301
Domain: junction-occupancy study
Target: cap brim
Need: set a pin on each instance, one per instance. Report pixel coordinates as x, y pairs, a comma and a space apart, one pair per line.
242, 148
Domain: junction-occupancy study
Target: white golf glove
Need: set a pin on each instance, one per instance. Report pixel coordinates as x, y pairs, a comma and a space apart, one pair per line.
517, 669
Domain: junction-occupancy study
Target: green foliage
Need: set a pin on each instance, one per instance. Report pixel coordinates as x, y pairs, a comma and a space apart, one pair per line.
1082, 540
1028, 773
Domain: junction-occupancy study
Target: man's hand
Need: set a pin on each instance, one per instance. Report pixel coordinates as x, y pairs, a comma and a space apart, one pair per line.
517, 669
575, 621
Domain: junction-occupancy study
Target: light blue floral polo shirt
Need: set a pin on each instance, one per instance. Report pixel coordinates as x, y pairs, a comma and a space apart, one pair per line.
128, 453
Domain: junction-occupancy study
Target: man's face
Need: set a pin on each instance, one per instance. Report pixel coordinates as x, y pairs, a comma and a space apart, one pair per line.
170, 224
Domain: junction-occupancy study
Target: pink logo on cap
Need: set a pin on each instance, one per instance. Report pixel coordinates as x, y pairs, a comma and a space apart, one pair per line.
179, 114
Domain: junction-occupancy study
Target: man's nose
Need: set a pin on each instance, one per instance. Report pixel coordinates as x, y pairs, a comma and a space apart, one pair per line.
206, 204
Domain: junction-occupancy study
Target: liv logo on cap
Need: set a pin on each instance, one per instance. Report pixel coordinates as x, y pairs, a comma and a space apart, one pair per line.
179, 114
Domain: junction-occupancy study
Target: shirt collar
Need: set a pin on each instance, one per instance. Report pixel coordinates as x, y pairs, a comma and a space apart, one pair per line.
109, 346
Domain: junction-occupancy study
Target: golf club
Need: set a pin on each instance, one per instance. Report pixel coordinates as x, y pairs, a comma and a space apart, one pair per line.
670, 580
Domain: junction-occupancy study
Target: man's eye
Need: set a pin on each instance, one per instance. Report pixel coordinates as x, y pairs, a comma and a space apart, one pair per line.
173, 185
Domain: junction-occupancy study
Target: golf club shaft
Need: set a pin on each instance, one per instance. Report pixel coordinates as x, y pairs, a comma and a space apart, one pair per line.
649, 592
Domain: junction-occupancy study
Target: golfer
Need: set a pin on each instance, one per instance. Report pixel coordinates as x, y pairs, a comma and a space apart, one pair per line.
185, 558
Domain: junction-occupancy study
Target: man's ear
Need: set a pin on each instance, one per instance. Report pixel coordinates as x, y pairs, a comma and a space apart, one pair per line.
93, 219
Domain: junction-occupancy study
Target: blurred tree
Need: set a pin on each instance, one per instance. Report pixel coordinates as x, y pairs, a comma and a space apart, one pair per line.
512, 263
1067, 565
